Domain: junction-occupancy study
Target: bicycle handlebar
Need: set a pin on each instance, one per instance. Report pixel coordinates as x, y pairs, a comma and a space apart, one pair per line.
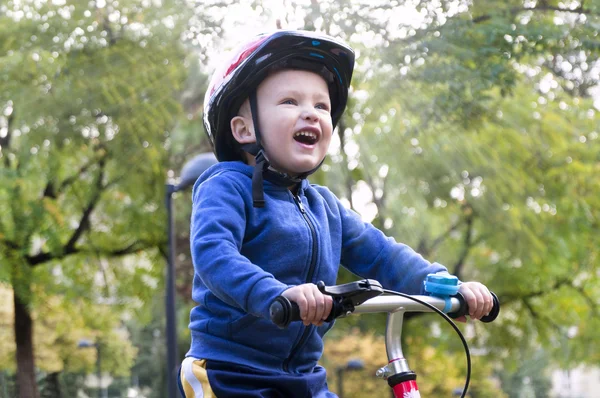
347, 301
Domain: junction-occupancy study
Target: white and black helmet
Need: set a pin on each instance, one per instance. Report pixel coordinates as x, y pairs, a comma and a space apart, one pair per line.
238, 79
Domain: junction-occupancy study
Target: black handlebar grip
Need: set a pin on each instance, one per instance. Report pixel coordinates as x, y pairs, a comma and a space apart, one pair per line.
284, 311
494, 311
464, 309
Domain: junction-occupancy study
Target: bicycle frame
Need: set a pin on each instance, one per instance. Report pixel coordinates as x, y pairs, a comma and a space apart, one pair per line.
397, 372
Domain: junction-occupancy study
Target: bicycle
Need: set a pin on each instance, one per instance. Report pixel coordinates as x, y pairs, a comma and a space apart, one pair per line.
368, 296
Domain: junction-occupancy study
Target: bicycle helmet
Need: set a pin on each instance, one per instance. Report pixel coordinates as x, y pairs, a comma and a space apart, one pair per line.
238, 79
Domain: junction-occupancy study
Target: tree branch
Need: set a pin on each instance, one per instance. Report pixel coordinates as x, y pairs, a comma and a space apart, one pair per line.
70, 247
581, 86
112, 39
45, 257
544, 8
348, 178
468, 244
440, 239
5, 141
163, 251
379, 202
51, 192
537, 293
543, 317
84, 222
588, 300
134, 247
11, 244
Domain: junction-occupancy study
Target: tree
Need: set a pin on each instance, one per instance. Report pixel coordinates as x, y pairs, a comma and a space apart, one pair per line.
476, 135
88, 99
473, 132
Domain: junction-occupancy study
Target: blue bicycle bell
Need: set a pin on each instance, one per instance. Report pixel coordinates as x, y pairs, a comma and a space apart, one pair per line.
443, 286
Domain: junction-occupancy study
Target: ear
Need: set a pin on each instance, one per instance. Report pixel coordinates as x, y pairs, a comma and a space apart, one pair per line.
243, 130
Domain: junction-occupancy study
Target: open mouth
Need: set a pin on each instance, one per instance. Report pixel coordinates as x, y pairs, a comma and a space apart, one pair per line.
306, 137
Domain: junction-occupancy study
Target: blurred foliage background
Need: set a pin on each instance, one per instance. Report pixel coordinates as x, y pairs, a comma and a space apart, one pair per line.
471, 135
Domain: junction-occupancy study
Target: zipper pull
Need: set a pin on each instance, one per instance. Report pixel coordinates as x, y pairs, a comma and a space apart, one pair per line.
299, 203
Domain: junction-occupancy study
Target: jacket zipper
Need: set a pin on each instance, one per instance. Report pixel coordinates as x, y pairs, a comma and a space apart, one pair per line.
311, 271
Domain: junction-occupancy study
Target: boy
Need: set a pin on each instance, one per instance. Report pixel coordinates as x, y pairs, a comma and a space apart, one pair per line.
260, 230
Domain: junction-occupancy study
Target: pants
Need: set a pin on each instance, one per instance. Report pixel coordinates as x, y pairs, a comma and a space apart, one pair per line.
210, 379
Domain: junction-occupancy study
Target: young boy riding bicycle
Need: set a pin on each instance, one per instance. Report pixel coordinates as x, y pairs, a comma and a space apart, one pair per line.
260, 230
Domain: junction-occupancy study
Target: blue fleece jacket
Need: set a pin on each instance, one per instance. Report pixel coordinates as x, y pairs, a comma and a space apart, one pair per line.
244, 257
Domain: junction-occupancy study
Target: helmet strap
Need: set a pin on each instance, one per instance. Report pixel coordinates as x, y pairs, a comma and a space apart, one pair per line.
256, 149
258, 194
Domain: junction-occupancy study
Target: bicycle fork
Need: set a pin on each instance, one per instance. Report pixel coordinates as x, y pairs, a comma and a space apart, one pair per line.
400, 378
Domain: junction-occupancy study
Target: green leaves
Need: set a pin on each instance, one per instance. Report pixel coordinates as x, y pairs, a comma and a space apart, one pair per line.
87, 98
489, 140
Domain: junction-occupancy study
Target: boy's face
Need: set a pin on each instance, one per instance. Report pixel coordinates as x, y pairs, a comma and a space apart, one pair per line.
295, 120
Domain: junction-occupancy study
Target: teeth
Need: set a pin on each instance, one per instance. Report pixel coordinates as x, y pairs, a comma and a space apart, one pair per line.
306, 133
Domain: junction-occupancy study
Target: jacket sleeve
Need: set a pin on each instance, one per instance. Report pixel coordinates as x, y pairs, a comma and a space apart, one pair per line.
216, 235
367, 252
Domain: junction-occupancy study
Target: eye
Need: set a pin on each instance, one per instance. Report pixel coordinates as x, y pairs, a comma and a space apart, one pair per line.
289, 101
322, 106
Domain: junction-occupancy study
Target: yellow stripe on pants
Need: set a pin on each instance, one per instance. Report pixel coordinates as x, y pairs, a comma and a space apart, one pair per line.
194, 379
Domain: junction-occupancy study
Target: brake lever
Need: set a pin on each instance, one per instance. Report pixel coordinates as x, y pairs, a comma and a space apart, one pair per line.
347, 296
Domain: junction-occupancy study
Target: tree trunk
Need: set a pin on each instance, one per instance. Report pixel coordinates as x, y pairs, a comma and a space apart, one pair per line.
26, 383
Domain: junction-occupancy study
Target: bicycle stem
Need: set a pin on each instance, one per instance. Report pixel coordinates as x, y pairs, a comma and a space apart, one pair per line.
393, 335
395, 321
397, 372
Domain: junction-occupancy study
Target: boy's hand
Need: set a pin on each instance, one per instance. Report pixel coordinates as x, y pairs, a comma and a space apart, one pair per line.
314, 305
479, 299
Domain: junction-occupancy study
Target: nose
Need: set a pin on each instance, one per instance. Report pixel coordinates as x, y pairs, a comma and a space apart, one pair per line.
310, 114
